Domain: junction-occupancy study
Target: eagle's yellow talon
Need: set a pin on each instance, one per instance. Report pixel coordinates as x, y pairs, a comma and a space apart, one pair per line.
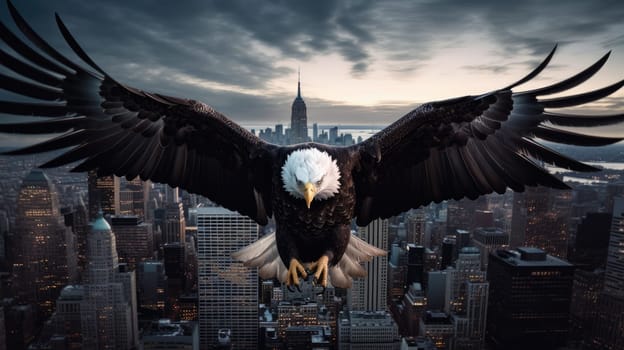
321, 266
294, 270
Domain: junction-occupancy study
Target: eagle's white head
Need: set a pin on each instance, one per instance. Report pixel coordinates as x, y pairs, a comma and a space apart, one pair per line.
310, 174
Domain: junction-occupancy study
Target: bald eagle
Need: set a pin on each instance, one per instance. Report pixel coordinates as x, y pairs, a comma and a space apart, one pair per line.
458, 148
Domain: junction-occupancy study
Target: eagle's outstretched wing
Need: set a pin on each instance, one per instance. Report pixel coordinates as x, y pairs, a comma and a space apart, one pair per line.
120, 130
474, 145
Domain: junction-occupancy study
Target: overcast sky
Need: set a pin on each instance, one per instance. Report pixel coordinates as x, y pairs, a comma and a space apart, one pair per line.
362, 62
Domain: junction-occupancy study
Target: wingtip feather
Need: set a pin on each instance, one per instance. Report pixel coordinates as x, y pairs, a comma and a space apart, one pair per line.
535, 71
73, 43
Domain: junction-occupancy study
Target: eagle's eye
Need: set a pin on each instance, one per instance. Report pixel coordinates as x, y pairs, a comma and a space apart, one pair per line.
299, 182
319, 182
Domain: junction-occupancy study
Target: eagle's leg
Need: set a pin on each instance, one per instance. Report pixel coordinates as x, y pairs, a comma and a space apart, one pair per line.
322, 268
295, 268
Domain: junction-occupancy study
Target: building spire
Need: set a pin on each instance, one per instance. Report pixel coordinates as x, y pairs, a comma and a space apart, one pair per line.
299, 82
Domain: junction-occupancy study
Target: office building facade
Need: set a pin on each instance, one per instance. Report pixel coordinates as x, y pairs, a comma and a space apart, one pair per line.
371, 292
227, 290
43, 253
529, 299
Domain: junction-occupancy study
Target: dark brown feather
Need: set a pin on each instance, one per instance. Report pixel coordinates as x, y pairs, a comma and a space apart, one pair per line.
124, 131
490, 145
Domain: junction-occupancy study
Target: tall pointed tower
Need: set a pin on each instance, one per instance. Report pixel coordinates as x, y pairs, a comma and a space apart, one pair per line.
298, 118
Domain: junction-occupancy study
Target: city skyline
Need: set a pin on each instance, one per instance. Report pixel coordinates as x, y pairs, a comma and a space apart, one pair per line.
462, 326
368, 63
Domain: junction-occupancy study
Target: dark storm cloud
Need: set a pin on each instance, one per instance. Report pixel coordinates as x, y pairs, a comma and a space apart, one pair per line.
240, 43
412, 30
212, 40
220, 41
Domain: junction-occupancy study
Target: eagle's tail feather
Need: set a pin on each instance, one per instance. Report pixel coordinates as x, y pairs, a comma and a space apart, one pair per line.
338, 278
349, 265
263, 254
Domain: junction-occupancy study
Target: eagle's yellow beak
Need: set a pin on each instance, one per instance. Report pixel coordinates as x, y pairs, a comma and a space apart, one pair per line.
309, 191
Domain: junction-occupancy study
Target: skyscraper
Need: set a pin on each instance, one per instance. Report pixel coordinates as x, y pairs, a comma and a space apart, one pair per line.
44, 253
134, 239
108, 315
470, 325
466, 299
614, 190
448, 251
371, 292
67, 318
228, 291
436, 291
415, 223
608, 324
173, 223
175, 266
461, 213
20, 323
4, 230
467, 269
489, 239
298, 119
414, 304
296, 313
333, 135
133, 197
591, 243
529, 300
540, 219
151, 284
76, 219
3, 342
367, 330
614, 273
586, 291
438, 327
415, 264
174, 226
315, 133
103, 194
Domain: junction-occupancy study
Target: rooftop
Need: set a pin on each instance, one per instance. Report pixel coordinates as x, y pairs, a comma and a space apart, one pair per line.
368, 318
36, 175
470, 250
490, 231
418, 343
126, 220
72, 292
166, 328
529, 257
100, 224
215, 211
435, 317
